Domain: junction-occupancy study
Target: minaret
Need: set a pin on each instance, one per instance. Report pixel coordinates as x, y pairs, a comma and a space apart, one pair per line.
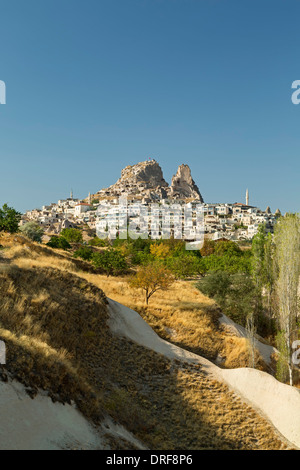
90, 198
71, 194
247, 197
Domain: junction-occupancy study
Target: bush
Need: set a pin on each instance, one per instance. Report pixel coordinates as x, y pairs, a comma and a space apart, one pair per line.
185, 265
208, 247
141, 258
96, 241
152, 278
33, 231
59, 242
227, 247
84, 252
215, 285
235, 293
112, 262
230, 262
160, 251
72, 235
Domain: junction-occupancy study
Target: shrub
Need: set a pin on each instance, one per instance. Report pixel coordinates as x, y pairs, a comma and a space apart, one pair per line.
9, 219
235, 293
227, 247
72, 235
160, 251
84, 252
186, 265
228, 262
215, 285
96, 241
112, 262
59, 242
33, 231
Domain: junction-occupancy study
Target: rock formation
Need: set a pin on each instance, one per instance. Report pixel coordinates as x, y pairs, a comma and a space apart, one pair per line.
183, 185
145, 181
268, 210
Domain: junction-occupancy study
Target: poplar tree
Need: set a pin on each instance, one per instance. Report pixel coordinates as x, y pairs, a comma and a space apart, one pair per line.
287, 258
258, 275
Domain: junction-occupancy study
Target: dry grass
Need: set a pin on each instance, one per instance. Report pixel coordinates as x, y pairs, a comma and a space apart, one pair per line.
183, 316
53, 318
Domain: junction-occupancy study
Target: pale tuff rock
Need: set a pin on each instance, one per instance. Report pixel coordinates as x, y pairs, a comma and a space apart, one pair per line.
145, 181
147, 174
268, 210
183, 185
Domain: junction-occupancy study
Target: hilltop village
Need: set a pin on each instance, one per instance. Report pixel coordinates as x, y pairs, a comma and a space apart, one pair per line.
144, 184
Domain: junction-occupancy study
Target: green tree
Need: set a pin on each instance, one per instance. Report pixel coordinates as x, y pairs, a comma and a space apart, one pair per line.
233, 293
33, 231
112, 262
59, 242
215, 285
9, 219
72, 235
287, 259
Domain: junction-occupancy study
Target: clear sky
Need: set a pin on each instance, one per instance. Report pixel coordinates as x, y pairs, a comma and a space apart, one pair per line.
95, 85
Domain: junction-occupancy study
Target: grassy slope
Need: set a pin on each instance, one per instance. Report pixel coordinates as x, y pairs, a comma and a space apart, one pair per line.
185, 317
54, 323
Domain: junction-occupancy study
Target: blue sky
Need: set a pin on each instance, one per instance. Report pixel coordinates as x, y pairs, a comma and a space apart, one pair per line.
95, 85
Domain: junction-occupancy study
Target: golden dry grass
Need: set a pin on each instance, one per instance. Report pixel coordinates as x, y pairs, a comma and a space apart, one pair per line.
183, 316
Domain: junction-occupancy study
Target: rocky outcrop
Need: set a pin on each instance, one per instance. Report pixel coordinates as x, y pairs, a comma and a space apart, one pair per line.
146, 174
268, 210
183, 185
145, 181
